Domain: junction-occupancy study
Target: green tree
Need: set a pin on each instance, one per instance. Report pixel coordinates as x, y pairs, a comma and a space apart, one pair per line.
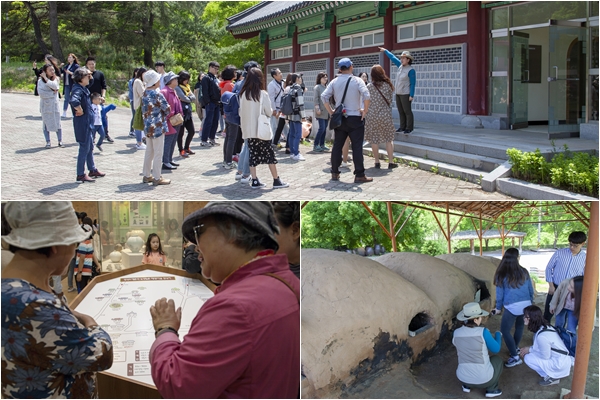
347, 224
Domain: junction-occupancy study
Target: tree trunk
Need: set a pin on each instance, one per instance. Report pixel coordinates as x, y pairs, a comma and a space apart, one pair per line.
148, 37
54, 38
36, 28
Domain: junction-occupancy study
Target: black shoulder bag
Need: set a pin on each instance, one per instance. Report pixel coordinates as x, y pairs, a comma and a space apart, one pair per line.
336, 117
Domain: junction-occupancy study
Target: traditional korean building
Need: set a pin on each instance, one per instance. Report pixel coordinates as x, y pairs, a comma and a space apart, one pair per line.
512, 64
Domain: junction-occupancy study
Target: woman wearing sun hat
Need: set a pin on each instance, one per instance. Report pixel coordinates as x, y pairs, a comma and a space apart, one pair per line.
476, 369
48, 350
406, 80
245, 341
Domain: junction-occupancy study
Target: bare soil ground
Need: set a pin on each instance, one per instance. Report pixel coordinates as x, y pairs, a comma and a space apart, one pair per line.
436, 378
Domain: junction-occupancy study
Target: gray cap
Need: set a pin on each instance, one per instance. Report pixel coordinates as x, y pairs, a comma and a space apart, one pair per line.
258, 215
168, 77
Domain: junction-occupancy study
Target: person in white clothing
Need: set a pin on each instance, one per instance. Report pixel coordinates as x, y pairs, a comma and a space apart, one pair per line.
548, 356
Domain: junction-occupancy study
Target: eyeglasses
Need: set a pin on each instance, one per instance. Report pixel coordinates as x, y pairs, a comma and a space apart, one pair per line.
575, 245
198, 231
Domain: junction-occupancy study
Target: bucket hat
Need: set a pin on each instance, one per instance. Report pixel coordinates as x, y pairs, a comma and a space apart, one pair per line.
407, 54
39, 224
168, 77
258, 215
471, 311
151, 77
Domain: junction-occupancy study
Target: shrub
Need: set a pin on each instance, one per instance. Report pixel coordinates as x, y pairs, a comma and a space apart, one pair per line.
577, 172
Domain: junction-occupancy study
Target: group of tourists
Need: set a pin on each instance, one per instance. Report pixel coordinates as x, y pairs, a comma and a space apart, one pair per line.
550, 355
244, 342
165, 116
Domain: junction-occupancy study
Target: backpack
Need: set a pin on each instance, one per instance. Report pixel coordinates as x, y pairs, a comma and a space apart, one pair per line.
231, 107
287, 102
568, 338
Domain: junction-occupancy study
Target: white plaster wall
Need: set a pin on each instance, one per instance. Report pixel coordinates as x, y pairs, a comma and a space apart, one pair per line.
476, 266
448, 286
347, 301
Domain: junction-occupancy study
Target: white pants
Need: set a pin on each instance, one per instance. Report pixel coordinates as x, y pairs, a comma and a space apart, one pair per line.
153, 156
556, 367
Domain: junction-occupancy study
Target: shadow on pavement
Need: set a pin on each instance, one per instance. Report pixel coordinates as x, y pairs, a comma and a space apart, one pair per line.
30, 117
49, 191
30, 151
135, 187
237, 191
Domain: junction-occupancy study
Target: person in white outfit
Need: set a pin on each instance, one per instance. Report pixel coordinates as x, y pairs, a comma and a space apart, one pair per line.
548, 356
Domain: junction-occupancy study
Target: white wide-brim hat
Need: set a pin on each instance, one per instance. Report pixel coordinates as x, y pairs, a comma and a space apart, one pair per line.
407, 54
39, 224
151, 77
471, 311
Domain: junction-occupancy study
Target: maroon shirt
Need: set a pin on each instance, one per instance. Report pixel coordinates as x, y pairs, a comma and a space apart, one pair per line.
244, 342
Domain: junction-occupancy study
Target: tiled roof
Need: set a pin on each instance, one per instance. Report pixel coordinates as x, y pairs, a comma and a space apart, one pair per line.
264, 11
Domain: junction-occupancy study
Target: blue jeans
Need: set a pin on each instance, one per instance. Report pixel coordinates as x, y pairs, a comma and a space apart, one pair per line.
170, 142
511, 341
47, 134
86, 156
320, 139
67, 97
567, 316
221, 121
244, 160
100, 130
295, 136
212, 112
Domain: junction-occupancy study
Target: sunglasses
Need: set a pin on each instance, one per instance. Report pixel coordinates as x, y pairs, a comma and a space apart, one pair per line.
198, 231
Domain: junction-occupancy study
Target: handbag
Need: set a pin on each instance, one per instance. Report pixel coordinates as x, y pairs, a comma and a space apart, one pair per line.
264, 125
336, 117
176, 119
138, 119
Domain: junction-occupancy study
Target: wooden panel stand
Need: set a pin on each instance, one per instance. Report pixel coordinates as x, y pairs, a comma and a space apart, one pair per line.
110, 385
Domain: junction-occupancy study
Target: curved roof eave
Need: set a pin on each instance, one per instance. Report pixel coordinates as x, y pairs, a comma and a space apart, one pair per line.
265, 11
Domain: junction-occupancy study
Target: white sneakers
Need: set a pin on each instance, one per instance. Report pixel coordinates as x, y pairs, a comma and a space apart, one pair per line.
345, 165
140, 146
298, 157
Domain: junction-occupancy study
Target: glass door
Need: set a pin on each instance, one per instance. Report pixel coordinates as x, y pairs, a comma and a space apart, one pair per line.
566, 78
519, 77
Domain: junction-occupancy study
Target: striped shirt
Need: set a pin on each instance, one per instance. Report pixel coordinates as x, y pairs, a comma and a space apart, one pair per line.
85, 248
564, 265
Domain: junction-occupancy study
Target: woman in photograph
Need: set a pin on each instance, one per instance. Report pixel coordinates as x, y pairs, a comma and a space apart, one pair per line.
48, 350
321, 113
548, 356
48, 87
68, 70
252, 95
476, 369
514, 292
379, 126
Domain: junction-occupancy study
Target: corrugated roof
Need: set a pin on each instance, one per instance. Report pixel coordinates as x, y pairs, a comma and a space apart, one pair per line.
264, 11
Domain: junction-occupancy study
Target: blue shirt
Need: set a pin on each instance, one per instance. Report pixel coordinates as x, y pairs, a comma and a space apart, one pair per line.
46, 351
564, 265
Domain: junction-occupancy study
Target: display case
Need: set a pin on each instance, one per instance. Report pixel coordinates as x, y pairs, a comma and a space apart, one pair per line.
121, 220
120, 303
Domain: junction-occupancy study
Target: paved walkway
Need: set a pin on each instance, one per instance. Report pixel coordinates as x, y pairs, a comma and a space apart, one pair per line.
29, 171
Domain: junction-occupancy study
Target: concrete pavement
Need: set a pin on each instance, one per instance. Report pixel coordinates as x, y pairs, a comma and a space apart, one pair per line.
29, 171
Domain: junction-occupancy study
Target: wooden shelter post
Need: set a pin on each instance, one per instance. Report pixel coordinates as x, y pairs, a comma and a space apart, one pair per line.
588, 310
448, 226
391, 222
502, 235
480, 234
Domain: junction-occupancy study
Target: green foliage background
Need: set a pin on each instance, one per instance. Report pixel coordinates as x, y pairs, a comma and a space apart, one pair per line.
186, 35
340, 225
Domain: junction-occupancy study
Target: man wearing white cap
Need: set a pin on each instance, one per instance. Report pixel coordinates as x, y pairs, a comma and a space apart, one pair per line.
48, 350
348, 90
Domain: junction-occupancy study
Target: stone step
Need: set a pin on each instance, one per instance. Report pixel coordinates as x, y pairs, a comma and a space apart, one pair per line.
438, 167
454, 157
475, 145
